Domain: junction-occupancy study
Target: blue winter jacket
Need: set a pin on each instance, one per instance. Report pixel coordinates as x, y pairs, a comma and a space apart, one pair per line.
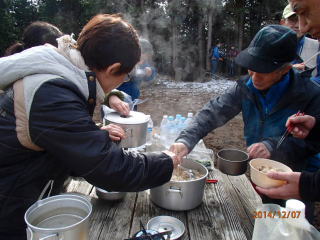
216, 53
260, 126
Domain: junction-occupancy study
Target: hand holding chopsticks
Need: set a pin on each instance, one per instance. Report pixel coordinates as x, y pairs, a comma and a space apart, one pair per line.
302, 125
288, 130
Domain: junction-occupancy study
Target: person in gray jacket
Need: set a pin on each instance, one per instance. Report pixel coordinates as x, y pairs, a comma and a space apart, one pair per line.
267, 97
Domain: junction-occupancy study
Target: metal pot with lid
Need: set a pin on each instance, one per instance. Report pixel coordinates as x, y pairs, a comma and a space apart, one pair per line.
135, 125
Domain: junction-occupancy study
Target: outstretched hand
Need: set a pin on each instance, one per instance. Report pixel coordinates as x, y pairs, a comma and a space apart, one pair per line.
180, 150
173, 156
286, 191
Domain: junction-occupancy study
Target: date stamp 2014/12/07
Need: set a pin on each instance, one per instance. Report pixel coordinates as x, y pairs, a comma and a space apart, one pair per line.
276, 214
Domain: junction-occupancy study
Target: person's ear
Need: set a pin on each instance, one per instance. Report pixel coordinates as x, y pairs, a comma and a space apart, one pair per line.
113, 69
282, 21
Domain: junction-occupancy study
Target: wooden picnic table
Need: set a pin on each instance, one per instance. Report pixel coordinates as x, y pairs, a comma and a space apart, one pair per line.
226, 212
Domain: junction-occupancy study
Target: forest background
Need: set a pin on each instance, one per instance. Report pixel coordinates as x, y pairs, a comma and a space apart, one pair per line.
182, 32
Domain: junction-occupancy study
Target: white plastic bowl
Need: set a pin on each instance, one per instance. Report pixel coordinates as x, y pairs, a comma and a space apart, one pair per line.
261, 179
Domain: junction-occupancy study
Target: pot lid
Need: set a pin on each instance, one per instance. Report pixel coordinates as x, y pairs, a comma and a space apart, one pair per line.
133, 118
167, 223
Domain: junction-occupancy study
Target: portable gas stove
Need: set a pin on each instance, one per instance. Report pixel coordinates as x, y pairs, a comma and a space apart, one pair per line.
148, 234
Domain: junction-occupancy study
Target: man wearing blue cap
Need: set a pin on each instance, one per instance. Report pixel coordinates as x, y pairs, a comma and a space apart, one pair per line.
267, 97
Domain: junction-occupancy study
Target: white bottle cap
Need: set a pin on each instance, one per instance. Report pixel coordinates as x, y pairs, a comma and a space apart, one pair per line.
190, 114
165, 116
296, 205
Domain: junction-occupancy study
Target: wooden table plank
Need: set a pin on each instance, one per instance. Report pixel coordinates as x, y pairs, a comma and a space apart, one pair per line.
247, 195
219, 217
145, 210
111, 220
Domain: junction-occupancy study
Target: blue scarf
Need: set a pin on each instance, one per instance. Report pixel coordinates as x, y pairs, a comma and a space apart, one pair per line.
269, 100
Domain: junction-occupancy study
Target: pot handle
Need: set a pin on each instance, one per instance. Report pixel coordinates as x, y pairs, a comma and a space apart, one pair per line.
49, 237
175, 190
29, 234
131, 132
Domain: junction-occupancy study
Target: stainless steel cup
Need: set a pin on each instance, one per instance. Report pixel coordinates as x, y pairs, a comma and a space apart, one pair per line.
232, 161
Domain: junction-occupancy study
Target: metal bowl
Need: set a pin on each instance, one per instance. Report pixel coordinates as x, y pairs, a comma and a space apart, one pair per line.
232, 161
110, 196
167, 223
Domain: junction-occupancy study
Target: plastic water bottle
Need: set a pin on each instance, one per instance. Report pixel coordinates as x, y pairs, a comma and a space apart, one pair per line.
149, 131
170, 130
182, 124
189, 119
178, 119
163, 126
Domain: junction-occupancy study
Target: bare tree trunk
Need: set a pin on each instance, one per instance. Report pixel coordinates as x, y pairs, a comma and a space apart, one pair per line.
209, 43
241, 34
177, 72
201, 47
144, 22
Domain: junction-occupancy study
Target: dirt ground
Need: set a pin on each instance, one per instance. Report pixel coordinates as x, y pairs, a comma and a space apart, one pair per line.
174, 100
171, 101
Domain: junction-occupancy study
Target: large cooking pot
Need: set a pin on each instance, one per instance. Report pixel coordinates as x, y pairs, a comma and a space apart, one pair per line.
181, 195
61, 217
135, 126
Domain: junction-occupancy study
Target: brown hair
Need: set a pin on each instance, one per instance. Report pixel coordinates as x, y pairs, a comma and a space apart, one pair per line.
108, 39
36, 34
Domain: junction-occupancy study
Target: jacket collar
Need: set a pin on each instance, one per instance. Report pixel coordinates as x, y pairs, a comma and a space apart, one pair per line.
296, 89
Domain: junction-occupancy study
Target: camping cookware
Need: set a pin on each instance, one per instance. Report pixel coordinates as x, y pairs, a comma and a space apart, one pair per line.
61, 217
259, 167
109, 196
167, 223
181, 195
232, 161
135, 126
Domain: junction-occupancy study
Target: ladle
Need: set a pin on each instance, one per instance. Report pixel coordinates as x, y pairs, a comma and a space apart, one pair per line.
138, 101
188, 170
